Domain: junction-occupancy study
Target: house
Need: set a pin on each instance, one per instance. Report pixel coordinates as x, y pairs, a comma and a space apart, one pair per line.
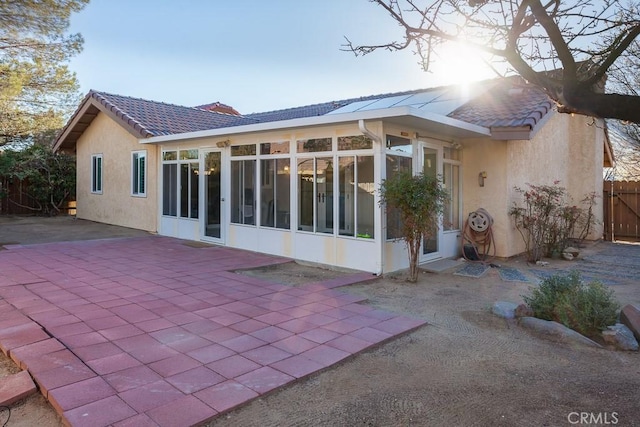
302, 182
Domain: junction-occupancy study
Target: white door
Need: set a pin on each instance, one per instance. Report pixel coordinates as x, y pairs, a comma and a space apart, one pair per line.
213, 224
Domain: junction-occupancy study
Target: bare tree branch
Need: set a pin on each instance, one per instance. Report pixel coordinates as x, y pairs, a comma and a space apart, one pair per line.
568, 48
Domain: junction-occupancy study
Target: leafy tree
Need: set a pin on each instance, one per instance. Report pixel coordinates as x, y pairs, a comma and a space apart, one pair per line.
565, 47
46, 179
419, 200
37, 89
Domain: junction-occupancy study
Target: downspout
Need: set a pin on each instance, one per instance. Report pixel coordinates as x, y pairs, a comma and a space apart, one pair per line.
611, 218
366, 132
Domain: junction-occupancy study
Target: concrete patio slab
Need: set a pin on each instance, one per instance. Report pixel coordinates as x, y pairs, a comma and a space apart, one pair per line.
151, 331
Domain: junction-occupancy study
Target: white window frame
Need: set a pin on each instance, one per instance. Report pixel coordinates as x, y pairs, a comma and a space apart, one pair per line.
136, 156
97, 175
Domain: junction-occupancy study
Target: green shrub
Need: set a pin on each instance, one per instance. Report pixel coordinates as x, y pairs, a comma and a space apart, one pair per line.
585, 308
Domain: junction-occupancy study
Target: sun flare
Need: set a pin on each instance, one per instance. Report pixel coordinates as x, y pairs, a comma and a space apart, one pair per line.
459, 64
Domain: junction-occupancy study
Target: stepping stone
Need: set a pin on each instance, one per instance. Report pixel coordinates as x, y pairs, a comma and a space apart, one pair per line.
16, 387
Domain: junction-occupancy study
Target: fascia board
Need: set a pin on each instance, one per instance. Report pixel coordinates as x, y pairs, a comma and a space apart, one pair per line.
381, 114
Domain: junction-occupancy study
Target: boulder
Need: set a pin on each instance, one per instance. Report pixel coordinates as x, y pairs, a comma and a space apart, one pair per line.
504, 309
567, 256
523, 310
571, 250
630, 317
556, 331
620, 337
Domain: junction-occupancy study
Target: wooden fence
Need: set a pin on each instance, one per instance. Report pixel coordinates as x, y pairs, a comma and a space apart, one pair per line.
18, 203
621, 210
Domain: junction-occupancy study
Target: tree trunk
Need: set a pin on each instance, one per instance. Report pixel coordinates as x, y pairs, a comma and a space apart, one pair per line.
414, 251
603, 105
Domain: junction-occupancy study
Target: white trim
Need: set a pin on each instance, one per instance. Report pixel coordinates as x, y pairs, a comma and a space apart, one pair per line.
97, 181
135, 184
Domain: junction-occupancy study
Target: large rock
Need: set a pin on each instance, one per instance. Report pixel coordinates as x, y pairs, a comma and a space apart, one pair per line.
523, 310
573, 251
556, 331
630, 317
504, 309
620, 337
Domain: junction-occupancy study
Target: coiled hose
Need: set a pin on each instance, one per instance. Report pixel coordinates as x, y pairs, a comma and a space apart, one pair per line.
477, 236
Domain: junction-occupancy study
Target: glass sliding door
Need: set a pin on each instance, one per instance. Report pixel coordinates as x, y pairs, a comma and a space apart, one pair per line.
315, 194
212, 194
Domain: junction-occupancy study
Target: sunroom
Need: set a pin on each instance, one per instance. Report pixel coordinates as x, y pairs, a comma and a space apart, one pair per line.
307, 188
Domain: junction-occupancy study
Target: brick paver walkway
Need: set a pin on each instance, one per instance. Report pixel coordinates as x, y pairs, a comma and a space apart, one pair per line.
150, 331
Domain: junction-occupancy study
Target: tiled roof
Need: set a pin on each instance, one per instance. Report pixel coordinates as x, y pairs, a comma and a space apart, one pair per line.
318, 109
509, 102
497, 103
157, 118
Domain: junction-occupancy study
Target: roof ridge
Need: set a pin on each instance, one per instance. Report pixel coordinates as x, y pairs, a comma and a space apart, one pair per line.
168, 104
103, 100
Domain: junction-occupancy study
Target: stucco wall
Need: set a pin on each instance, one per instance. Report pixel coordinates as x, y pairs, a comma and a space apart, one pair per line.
566, 150
115, 205
586, 176
485, 155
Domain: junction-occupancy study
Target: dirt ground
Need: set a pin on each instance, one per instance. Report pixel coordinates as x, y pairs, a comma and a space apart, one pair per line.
465, 368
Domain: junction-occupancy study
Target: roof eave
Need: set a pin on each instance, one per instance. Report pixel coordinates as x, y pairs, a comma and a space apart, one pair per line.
511, 133
83, 117
421, 118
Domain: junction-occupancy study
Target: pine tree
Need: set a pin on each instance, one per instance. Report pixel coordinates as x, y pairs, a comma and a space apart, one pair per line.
37, 89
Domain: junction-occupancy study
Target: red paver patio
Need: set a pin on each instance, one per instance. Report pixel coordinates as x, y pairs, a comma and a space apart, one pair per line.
150, 331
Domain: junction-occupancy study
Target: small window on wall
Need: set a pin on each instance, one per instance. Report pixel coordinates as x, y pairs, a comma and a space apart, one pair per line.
138, 173
96, 173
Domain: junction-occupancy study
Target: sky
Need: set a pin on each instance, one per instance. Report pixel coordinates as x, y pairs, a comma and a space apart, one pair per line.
255, 55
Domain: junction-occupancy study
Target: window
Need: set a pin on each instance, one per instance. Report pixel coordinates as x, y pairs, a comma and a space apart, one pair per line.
451, 182
358, 142
138, 172
96, 173
314, 145
275, 193
398, 159
274, 148
189, 190
243, 203
356, 205
243, 150
180, 184
170, 189
399, 144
